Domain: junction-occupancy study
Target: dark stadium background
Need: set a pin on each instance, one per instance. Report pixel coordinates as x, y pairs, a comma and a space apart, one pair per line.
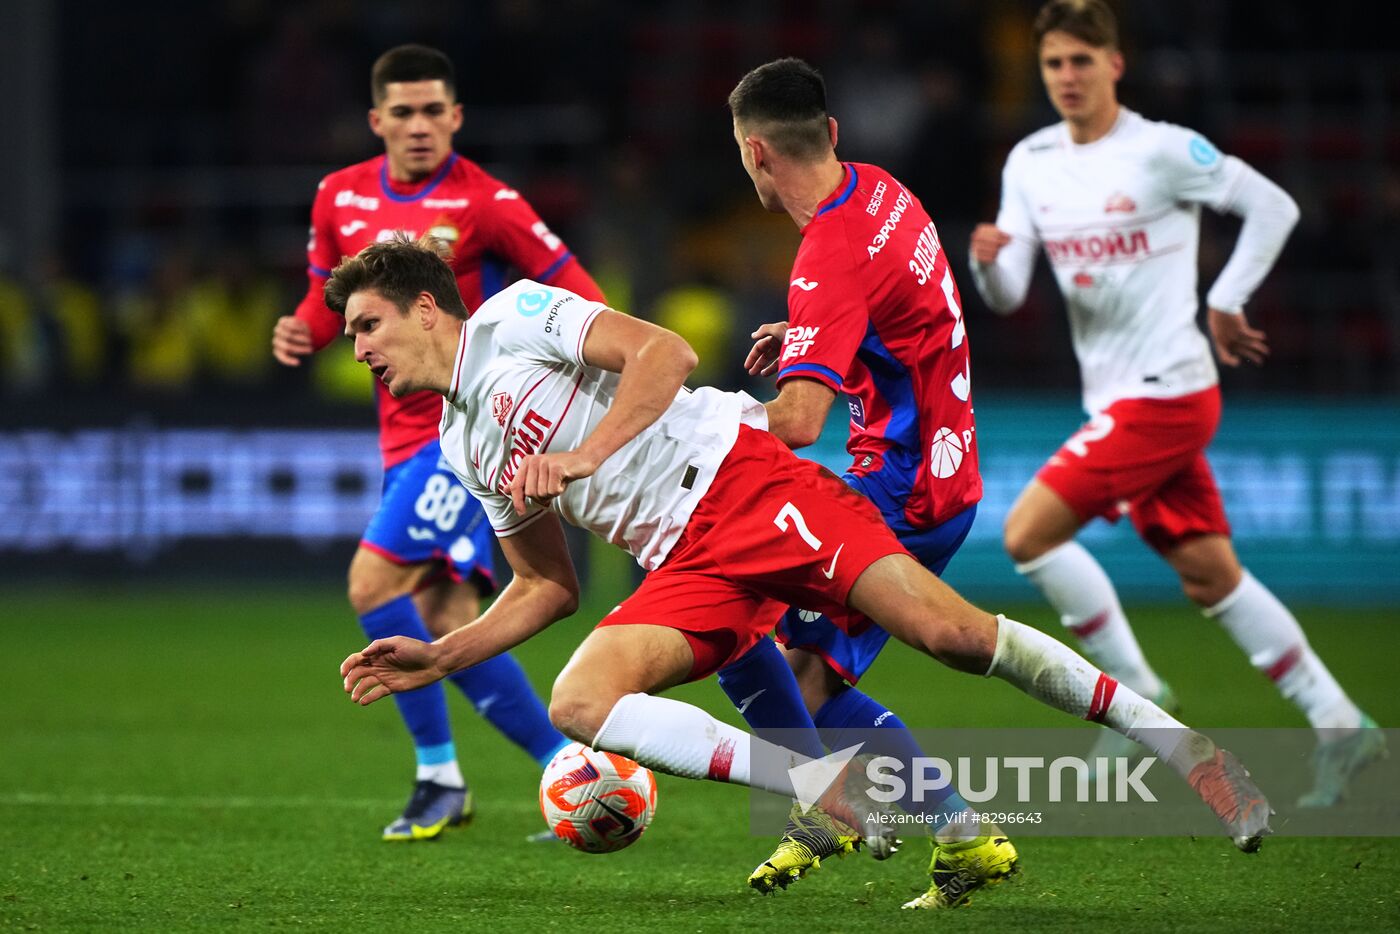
162, 158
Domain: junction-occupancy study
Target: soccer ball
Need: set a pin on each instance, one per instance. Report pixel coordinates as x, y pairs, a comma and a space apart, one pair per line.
594, 801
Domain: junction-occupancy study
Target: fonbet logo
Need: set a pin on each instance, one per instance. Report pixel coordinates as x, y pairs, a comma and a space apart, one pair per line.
889, 780
532, 302
349, 199
798, 341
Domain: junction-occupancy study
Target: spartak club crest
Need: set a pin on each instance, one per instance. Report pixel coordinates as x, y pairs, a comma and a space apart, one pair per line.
501, 403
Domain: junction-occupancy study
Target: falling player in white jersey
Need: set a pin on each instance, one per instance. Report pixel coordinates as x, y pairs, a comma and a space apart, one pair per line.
558, 407
1114, 199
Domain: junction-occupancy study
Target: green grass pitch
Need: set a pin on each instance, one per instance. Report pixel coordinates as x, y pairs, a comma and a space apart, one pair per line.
184, 759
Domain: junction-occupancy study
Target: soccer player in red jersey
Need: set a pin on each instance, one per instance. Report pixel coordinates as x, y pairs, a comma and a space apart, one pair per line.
1115, 200
600, 430
425, 559
874, 313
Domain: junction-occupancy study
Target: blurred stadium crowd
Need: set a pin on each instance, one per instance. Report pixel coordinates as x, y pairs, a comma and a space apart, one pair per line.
187, 140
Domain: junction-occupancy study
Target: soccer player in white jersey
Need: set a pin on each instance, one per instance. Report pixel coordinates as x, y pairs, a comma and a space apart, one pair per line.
1114, 199
558, 407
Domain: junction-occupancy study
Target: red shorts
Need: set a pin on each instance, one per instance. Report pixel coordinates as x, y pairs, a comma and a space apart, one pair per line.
772, 531
1145, 458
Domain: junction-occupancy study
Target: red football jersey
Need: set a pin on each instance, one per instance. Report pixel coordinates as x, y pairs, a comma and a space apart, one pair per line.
489, 225
873, 311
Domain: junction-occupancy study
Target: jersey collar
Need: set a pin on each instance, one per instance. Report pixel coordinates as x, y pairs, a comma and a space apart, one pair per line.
387, 185
843, 191
458, 376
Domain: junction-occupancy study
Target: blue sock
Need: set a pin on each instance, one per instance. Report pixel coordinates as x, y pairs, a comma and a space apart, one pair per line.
501, 693
761, 685
852, 717
424, 711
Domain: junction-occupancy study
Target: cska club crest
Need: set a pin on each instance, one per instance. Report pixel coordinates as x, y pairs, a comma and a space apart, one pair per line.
501, 404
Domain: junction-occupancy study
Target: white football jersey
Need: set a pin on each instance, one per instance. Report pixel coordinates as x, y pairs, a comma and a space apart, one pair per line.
1119, 220
520, 387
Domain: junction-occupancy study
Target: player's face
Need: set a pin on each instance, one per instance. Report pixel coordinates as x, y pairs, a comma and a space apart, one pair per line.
416, 120
762, 181
1080, 78
387, 340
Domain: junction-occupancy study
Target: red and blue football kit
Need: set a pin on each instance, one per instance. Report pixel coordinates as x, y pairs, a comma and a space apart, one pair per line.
424, 514
873, 312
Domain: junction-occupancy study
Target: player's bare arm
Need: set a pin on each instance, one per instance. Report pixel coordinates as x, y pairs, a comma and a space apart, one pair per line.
1235, 340
987, 241
544, 589
797, 416
291, 340
653, 363
767, 349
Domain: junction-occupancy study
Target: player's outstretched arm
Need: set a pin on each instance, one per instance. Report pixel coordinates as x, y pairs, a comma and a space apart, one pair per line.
389, 666
543, 589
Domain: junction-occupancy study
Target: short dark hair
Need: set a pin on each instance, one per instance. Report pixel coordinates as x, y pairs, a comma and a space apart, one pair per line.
1090, 21
400, 269
411, 63
786, 101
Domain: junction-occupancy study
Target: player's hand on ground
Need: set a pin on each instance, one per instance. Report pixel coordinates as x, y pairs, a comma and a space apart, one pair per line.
291, 340
389, 666
1235, 339
767, 349
987, 241
541, 477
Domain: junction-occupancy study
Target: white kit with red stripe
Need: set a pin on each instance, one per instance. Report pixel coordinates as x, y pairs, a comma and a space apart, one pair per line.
1119, 220
520, 386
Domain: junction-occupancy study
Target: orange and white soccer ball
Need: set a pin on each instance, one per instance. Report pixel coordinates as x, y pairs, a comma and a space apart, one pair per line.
594, 801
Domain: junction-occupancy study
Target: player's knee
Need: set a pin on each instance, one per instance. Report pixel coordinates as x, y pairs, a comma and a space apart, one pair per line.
365, 596
964, 639
1206, 590
578, 711
368, 592
1021, 542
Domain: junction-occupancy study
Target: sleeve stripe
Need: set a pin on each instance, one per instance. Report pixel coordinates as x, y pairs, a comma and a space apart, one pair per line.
583, 332
317, 270
554, 268
799, 369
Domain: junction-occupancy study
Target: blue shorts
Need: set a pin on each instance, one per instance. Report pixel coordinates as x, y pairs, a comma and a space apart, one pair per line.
851, 656
426, 516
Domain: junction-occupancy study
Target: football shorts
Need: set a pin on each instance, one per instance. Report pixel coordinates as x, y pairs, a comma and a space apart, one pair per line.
772, 531
425, 515
1145, 459
850, 648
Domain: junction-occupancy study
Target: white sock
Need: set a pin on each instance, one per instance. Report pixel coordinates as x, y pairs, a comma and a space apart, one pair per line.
1275, 644
444, 773
1078, 588
1055, 674
681, 739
